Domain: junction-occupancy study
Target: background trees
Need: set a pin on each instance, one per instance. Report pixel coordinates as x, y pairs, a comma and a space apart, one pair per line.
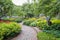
47, 7
6, 7
50, 7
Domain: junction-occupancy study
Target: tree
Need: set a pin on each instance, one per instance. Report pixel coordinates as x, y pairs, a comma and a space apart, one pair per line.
49, 7
6, 7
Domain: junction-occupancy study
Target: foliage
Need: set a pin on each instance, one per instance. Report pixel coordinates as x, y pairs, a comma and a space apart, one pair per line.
18, 20
55, 21
46, 36
33, 24
9, 30
54, 30
29, 21
56, 33
42, 24
6, 7
54, 27
13, 19
47, 7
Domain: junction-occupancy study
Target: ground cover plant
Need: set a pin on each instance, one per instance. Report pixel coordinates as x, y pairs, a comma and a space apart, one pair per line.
8, 30
46, 36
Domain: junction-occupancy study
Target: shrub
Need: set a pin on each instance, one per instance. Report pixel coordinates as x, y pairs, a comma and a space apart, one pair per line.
46, 36
49, 32
10, 19
29, 21
9, 30
54, 27
42, 24
18, 20
56, 33
34, 24
55, 21
13, 19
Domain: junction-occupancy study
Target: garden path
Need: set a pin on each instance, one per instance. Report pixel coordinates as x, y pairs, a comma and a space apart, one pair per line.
28, 33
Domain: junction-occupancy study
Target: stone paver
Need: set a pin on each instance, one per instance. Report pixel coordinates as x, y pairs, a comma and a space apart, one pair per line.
28, 33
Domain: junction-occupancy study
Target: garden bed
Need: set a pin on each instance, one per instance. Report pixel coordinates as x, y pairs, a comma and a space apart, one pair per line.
52, 31
8, 30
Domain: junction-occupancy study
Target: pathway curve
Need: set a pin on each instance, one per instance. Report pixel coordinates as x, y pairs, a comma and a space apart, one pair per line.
28, 33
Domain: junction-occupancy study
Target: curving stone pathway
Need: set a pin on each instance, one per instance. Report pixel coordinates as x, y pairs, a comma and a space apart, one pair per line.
28, 33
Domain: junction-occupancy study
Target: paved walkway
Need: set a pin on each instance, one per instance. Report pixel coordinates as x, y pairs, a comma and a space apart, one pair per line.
28, 33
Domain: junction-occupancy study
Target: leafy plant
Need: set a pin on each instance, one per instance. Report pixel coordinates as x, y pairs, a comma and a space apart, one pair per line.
29, 21
45, 36
34, 24
56, 33
9, 30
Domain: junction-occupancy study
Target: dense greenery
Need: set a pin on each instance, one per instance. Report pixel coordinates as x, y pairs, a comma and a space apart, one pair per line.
8, 30
47, 7
18, 19
28, 21
32, 11
42, 24
6, 7
46, 36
